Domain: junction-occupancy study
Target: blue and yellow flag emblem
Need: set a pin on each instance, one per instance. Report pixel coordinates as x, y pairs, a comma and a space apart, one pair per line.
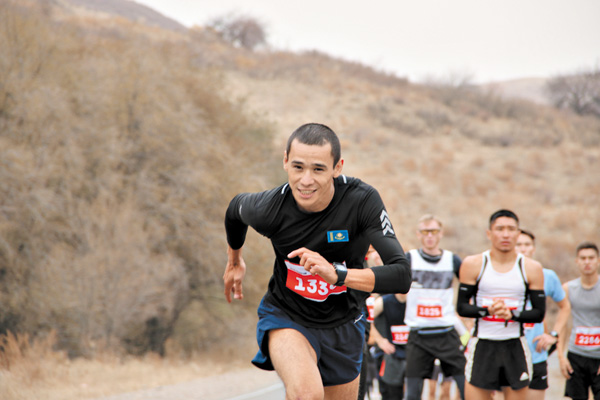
337, 236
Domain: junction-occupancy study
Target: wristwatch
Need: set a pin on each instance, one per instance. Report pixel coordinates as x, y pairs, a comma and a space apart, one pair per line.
341, 271
554, 334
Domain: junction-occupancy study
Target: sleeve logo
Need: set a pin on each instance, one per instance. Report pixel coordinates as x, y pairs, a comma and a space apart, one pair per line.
337, 236
386, 224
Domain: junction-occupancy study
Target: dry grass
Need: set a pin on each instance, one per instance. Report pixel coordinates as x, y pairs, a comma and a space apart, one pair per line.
118, 158
33, 370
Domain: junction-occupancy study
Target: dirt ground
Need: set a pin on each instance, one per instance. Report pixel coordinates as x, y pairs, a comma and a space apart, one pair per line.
219, 387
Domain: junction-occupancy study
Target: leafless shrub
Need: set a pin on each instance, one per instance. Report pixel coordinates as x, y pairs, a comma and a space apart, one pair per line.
240, 30
578, 92
452, 87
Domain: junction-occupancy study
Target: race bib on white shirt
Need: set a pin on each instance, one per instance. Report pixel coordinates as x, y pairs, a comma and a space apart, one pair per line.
486, 302
370, 308
400, 334
429, 307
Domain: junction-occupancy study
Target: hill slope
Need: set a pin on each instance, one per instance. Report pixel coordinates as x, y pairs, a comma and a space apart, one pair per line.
121, 148
127, 9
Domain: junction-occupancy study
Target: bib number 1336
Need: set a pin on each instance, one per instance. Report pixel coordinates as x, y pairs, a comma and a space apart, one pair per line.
308, 286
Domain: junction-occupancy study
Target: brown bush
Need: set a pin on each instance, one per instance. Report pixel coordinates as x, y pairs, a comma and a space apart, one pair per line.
118, 161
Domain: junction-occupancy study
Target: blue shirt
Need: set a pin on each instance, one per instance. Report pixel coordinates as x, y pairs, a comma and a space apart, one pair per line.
553, 289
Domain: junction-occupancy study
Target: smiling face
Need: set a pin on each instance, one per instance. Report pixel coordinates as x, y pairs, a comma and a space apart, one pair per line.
503, 234
310, 172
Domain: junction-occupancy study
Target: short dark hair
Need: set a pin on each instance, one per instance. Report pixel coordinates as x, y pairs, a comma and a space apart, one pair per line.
503, 213
319, 135
587, 245
531, 235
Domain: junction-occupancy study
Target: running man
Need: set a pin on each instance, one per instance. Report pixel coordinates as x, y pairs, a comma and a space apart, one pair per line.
500, 280
320, 223
538, 340
430, 312
391, 308
581, 367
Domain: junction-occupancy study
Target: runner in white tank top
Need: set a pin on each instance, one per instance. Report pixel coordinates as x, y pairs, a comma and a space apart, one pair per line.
430, 311
510, 287
498, 280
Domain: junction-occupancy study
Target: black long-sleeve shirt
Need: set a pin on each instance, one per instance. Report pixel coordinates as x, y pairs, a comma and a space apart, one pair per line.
355, 218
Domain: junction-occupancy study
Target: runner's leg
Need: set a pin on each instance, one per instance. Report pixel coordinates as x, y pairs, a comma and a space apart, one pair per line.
511, 394
342, 392
414, 388
295, 361
475, 393
535, 394
432, 388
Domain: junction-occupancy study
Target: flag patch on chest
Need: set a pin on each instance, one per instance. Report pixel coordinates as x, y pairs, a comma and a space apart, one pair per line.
337, 236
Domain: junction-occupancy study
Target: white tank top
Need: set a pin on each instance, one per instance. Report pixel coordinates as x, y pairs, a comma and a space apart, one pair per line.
511, 286
430, 301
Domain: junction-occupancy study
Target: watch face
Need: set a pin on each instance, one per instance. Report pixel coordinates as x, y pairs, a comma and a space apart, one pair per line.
340, 266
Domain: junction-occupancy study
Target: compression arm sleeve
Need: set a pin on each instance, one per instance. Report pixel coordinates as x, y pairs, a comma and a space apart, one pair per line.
393, 278
464, 307
235, 228
536, 314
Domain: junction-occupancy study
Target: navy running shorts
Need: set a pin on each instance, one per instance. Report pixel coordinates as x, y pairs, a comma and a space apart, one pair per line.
339, 350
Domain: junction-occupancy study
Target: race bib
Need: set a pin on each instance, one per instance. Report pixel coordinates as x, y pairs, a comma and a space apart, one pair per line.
429, 308
370, 309
587, 336
486, 302
308, 286
400, 334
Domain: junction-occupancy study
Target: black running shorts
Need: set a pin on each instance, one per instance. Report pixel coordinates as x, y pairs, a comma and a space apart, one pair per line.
584, 376
492, 364
425, 346
540, 376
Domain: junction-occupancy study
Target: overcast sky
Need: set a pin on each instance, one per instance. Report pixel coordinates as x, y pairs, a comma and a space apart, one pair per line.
488, 39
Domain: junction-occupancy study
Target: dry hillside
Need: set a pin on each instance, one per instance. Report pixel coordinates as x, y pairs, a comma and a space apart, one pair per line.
121, 144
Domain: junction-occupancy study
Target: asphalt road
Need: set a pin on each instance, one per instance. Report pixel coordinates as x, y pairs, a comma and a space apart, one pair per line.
276, 392
273, 392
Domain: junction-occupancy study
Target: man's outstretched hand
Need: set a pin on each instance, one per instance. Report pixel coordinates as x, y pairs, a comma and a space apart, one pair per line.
235, 270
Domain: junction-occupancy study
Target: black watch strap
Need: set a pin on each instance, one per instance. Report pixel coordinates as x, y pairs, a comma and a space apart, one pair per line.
341, 271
